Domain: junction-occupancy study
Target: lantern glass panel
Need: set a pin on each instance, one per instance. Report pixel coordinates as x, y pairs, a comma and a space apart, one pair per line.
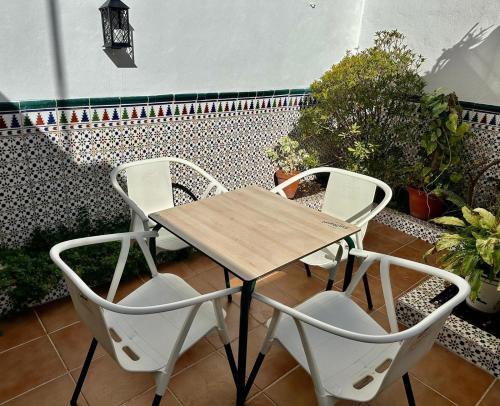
120, 28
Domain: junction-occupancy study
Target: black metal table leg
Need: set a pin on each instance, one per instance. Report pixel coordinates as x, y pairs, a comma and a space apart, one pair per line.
228, 284
246, 297
348, 274
350, 263
152, 242
408, 390
83, 373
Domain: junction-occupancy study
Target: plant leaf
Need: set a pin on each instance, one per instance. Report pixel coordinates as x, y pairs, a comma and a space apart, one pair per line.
486, 248
487, 220
447, 241
449, 221
470, 217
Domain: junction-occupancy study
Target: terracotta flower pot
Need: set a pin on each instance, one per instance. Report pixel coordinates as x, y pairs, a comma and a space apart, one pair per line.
283, 176
424, 205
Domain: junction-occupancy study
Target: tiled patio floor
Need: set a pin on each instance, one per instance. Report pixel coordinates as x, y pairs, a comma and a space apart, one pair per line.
41, 351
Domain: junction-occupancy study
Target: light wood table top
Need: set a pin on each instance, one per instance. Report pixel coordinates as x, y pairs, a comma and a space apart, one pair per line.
252, 231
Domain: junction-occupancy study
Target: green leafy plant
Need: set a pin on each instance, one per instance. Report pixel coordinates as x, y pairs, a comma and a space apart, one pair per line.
473, 249
27, 274
288, 157
362, 114
439, 167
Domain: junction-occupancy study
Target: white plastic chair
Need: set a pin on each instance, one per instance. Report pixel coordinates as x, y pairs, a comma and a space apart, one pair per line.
150, 189
349, 196
150, 328
346, 352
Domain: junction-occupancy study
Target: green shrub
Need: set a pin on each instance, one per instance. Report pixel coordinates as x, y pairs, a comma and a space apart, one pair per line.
27, 274
362, 114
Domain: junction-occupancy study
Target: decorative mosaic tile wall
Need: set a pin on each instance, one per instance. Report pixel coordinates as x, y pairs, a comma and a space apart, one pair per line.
56, 156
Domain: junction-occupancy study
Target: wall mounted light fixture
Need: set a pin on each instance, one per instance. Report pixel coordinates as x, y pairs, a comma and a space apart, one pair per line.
115, 24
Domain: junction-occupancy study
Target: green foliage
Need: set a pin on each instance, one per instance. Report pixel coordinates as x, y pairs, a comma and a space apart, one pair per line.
287, 156
27, 274
362, 112
473, 250
441, 147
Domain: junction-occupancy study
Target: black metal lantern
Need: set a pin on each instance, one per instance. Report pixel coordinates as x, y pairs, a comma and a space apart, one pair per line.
115, 25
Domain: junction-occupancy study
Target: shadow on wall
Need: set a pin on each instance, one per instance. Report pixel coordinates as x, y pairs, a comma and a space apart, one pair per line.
123, 57
55, 38
472, 63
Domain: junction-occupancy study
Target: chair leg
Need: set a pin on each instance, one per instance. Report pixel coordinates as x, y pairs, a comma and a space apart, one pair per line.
156, 400
228, 284
367, 291
83, 374
329, 284
408, 390
308, 270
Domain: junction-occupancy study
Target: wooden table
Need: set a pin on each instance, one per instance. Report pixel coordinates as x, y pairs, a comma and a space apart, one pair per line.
252, 232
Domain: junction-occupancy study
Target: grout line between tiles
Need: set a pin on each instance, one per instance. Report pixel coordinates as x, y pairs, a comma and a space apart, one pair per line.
24, 343
32, 389
486, 391
63, 327
432, 389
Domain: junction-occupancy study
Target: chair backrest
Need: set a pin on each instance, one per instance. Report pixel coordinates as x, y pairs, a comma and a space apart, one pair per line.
150, 188
149, 185
348, 196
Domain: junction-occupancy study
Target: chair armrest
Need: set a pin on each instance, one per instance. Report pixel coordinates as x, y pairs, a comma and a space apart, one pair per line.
92, 296
279, 189
443, 310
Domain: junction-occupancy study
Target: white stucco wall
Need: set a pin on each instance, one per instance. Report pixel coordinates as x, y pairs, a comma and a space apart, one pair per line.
181, 46
460, 39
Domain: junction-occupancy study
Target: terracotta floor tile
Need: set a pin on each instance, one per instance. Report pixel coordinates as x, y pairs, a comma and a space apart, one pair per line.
232, 323
294, 282
126, 287
294, 389
451, 376
380, 242
260, 400
395, 395
18, 329
375, 290
214, 277
107, 384
492, 397
260, 311
420, 245
57, 314
201, 349
147, 397
276, 363
73, 343
209, 382
178, 268
403, 278
392, 233
55, 393
199, 262
27, 366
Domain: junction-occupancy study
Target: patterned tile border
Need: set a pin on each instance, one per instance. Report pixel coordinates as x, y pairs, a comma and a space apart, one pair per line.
26, 117
459, 336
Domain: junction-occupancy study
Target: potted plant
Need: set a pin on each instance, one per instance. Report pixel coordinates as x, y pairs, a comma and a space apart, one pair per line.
439, 166
290, 160
362, 115
473, 252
